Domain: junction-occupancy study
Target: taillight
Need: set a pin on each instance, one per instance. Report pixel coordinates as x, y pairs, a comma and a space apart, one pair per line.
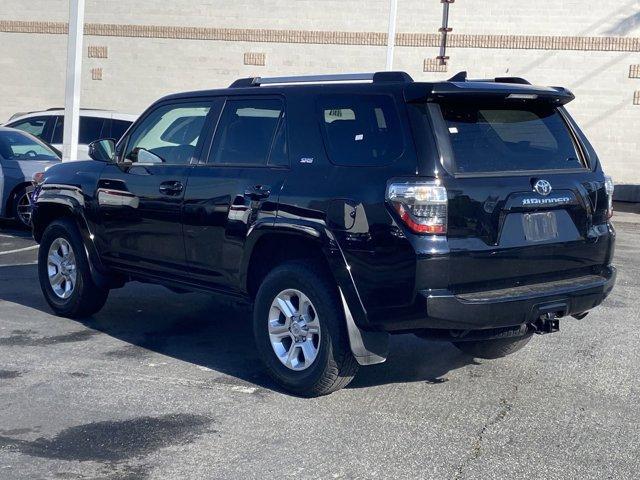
608, 187
422, 206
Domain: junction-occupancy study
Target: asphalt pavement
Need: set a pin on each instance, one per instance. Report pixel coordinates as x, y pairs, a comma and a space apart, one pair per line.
160, 385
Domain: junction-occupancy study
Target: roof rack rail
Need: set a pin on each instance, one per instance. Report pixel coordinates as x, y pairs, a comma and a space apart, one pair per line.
462, 77
376, 77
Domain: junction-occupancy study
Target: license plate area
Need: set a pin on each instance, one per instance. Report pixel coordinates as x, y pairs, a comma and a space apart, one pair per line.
540, 226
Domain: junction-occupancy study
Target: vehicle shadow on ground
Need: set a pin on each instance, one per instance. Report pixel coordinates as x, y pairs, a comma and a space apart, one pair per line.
216, 334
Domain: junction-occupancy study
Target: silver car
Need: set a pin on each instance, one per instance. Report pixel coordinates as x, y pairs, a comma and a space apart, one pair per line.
21, 157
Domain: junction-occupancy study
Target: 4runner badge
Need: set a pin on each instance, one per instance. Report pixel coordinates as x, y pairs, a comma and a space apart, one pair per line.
542, 187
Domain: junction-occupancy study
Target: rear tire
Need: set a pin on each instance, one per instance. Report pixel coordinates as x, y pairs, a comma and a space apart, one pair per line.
284, 349
63, 270
495, 348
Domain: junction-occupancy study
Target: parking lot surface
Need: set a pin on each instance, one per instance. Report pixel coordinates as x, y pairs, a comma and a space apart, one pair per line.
166, 386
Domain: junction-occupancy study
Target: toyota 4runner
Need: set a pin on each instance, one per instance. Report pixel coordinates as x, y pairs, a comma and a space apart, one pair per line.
345, 208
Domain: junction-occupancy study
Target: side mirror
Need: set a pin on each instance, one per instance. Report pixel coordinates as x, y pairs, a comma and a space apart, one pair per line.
103, 150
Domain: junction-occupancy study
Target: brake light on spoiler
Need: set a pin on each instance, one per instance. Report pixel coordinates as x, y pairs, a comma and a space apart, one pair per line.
422, 206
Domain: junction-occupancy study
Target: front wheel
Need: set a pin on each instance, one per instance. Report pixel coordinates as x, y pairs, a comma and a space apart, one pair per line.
300, 330
495, 348
63, 270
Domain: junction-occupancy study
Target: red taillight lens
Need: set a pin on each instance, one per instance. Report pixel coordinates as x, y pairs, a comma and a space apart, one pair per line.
608, 186
422, 206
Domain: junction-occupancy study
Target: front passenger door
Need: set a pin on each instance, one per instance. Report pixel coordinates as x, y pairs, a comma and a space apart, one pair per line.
140, 198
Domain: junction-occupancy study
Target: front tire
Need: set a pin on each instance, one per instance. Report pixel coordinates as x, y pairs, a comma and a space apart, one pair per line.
300, 330
63, 270
495, 348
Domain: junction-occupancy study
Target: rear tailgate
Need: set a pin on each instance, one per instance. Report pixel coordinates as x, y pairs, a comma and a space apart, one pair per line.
527, 202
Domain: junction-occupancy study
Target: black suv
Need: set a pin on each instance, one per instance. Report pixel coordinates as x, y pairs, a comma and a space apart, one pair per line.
344, 208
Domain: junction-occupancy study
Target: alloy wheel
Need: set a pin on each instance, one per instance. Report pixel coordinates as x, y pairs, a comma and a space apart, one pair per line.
23, 209
62, 268
294, 329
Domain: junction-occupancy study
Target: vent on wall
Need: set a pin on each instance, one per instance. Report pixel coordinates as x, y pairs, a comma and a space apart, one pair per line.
636, 97
634, 71
434, 65
96, 74
96, 51
255, 58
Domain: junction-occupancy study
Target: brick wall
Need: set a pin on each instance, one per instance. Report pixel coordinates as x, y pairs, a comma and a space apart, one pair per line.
590, 46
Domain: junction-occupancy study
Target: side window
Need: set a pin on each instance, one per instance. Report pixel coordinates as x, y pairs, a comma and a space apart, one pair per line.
118, 127
246, 131
91, 128
58, 130
36, 126
361, 130
279, 156
169, 135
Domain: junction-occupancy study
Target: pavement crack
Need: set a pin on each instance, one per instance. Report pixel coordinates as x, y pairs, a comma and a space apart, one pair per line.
505, 406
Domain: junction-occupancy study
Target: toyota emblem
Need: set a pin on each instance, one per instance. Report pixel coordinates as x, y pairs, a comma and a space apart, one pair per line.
542, 187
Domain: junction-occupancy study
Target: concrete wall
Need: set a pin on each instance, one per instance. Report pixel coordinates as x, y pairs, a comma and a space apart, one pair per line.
589, 46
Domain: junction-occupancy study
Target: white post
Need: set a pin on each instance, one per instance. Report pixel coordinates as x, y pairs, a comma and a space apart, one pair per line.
74, 76
391, 36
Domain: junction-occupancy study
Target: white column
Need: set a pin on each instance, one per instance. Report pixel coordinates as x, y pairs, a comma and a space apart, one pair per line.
391, 36
74, 76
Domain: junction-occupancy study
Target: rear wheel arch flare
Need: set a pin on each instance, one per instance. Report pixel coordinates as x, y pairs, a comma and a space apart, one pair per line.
274, 248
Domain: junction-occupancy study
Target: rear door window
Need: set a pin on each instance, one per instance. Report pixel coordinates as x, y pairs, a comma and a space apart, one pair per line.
503, 138
91, 128
361, 130
118, 127
246, 132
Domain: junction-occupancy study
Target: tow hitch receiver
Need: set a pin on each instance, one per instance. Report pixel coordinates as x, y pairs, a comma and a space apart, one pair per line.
546, 323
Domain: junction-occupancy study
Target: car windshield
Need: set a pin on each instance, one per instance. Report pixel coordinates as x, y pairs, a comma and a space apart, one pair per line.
15, 145
504, 137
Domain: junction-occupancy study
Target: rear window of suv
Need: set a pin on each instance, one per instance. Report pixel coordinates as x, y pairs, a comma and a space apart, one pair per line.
361, 130
503, 138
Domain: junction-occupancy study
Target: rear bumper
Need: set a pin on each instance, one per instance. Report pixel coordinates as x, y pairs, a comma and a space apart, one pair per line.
442, 309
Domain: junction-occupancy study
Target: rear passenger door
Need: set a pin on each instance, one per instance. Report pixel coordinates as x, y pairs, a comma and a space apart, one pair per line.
236, 189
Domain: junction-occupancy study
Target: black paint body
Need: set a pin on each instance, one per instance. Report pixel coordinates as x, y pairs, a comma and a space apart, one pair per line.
204, 236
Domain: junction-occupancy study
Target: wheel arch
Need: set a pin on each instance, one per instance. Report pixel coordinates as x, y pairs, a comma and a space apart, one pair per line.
50, 207
271, 247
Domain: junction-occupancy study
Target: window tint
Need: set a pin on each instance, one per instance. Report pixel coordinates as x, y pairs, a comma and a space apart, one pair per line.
493, 138
35, 126
361, 129
18, 146
91, 128
58, 130
279, 155
169, 135
246, 131
118, 127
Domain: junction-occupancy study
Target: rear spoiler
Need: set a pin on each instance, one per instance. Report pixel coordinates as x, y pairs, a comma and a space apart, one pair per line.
506, 88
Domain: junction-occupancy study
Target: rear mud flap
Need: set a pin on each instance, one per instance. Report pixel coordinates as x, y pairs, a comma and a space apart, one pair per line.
368, 348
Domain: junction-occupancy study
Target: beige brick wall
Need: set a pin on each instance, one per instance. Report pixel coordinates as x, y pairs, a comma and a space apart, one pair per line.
588, 46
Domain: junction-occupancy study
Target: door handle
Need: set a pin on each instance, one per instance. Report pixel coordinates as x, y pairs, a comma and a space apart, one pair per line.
258, 192
172, 187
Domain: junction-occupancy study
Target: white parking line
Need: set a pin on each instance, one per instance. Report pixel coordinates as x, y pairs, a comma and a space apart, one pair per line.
18, 250
2, 265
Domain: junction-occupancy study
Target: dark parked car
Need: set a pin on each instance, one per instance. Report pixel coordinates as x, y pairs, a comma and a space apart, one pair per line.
21, 157
470, 211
